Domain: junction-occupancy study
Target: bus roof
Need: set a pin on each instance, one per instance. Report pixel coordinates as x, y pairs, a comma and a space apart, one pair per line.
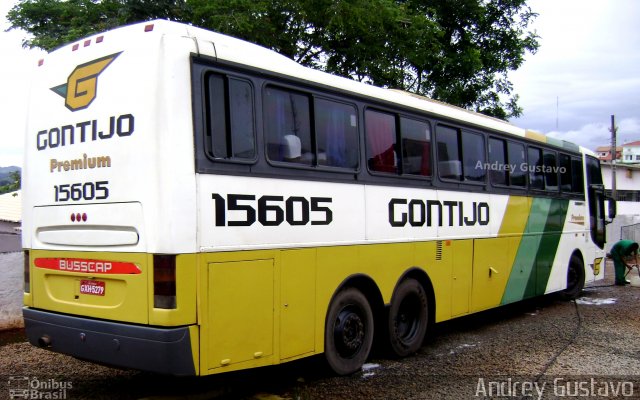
238, 51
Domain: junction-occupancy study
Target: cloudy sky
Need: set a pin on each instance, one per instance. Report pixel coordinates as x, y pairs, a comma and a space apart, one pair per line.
587, 68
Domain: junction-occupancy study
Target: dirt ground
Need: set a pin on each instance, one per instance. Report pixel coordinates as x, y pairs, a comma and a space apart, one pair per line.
544, 348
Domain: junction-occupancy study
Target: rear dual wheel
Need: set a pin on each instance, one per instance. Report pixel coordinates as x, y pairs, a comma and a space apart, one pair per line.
408, 318
349, 331
349, 327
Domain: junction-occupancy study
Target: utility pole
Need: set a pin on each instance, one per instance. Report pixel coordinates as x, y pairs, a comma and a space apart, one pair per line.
613, 131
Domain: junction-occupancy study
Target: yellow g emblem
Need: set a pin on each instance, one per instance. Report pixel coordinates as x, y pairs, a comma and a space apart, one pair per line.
82, 85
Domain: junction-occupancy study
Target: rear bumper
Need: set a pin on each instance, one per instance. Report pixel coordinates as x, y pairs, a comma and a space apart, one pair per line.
165, 351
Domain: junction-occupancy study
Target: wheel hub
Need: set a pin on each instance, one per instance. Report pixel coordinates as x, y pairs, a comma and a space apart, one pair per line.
349, 332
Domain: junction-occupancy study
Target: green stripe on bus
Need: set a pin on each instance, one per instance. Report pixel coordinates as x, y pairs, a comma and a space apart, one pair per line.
537, 248
548, 246
524, 261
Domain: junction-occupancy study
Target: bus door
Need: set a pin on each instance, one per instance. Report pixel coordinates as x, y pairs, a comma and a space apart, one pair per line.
596, 197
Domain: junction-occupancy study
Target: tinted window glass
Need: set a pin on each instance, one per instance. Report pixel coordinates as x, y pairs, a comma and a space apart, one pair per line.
518, 164
241, 114
449, 161
416, 147
473, 153
230, 118
336, 134
550, 171
217, 116
594, 175
381, 141
498, 167
565, 173
577, 177
536, 168
287, 127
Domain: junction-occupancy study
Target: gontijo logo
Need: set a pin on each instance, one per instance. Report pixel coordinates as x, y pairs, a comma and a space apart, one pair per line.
82, 85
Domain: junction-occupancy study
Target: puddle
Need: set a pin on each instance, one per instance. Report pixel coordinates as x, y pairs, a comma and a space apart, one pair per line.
595, 302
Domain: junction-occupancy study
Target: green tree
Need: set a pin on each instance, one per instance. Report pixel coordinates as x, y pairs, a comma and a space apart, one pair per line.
456, 51
15, 178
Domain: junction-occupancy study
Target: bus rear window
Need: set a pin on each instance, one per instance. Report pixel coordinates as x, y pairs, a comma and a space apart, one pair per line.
230, 118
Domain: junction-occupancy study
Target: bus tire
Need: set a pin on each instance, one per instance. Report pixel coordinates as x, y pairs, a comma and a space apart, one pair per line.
575, 278
348, 331
408, 318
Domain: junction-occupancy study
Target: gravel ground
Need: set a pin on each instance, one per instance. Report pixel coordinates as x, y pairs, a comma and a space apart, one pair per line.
564, 349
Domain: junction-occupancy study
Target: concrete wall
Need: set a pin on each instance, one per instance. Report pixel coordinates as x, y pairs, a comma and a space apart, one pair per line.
11, 287
613, 229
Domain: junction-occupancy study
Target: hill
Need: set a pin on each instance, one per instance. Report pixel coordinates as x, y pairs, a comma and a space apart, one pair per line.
5, 174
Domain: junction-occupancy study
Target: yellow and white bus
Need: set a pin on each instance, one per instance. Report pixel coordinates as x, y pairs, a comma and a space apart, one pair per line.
196, 204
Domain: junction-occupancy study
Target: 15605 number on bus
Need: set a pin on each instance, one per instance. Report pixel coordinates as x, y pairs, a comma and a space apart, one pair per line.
82, 191
271, 210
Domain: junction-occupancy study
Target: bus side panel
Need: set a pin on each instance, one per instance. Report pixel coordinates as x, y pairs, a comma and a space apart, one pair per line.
240, 311
297, 302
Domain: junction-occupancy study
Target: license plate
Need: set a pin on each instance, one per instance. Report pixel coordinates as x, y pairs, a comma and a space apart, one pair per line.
95, 288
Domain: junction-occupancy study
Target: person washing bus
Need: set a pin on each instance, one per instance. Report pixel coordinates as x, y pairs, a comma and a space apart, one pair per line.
620, 253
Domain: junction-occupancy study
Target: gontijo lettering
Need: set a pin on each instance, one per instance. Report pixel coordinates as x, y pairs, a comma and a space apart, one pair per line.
419, 212
67, 135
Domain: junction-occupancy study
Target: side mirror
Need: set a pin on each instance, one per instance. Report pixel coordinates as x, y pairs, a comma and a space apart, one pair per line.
613, 208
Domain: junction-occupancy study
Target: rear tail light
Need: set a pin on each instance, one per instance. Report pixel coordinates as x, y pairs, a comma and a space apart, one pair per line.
27, 275
164, 281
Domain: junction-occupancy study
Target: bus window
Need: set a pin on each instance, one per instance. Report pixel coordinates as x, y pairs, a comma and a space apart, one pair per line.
596, 201
336, 134
230, 118
473, 155
517, 163
416, 147
536, 174
288, 127
565, 173
381, 141
449, 162
241, 119
550, 171
497, 151
577, 177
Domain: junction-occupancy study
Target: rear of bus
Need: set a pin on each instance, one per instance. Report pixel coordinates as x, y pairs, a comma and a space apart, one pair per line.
109, 205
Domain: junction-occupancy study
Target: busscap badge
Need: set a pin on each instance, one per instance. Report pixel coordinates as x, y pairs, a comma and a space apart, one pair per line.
82, 84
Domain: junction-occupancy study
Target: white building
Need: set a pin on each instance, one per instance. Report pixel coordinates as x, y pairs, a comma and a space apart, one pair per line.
10, 211
631, 153
626, 225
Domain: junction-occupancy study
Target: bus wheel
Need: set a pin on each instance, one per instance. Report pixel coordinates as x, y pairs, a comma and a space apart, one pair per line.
349, 331
575, 278
408, 318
